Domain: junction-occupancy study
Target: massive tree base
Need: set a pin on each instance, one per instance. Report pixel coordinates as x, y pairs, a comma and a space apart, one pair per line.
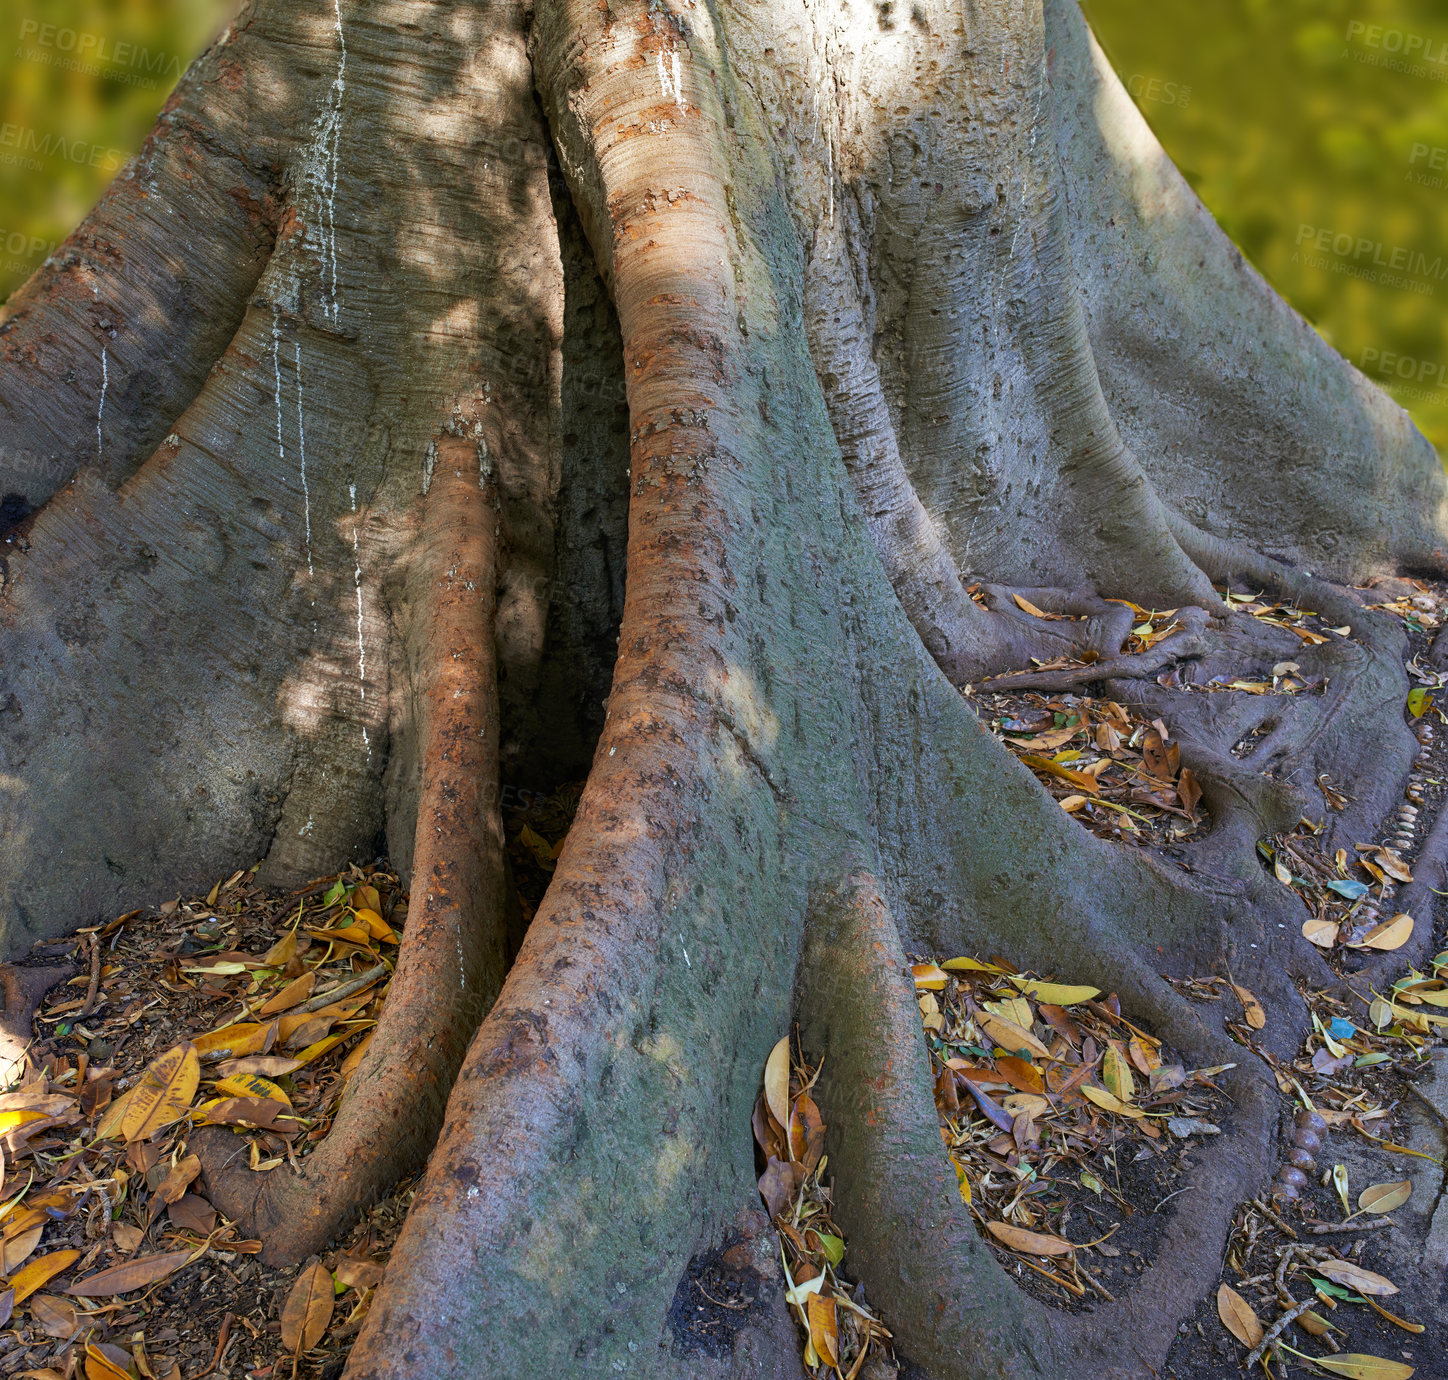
327, 427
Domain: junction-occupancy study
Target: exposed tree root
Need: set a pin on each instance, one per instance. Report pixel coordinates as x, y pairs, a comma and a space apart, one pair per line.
21, 989
454, 946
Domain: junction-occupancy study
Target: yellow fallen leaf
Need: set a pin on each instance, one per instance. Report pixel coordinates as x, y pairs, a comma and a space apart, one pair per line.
970, 965
41, 1271
929, 977
822, 1328
308, 1309
241, 1039
164, 1093
1023, 603
1323, 933
1251, 1007
293, 994
1009, 1035
1357, 1366
1056, 993
1116, 1074
1391, 934
252, 1085
10, 1120
376, 926
1107, 1102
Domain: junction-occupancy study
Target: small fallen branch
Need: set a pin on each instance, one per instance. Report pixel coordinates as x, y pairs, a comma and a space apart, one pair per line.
1277, 1329
345, 989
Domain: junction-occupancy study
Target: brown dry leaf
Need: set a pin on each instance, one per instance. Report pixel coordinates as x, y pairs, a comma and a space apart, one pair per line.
180, 1178
806, 1132
18, 1248
1385, 1197
261, 1112
1020, 1074
268, 1065
126, 1236
1238, 1316
1391, 934
823, 1329
192, 1213
1355, 1277
359, 1274
776, 1081
1029, 1242
1158, 757
54, 1316
293, 994
133, 1275
308, 1309
777, 1185
99, 1366
1393, 865
1251, 1007
344, 934
1008, 1035
40, 1271
1189, 791
164, 1093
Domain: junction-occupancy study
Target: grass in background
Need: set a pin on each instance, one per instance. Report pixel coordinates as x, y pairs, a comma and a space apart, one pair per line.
1283, 114
1329, 114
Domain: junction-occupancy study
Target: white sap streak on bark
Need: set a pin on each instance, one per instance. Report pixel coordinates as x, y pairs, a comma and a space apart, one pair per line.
670, 82
302, 452
101, 410
357, 584
323, 160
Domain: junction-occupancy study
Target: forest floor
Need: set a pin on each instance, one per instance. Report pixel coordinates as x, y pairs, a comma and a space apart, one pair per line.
1070, 1126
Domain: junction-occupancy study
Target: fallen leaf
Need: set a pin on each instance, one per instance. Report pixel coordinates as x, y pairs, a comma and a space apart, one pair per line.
1385, 1197
261, 1112
237, 1040
1109, 1103
1083, 781
293, 994
179, 1179
192, 1213
7, 1306
776, 1081
1361, 1367
1418, 701
1116, 1074
1189, 791
1029, 1242
18, 1248
1339, 1182
268, 1065
54, 1316
1393, 865
822, 1328
1238, 1316
1057, 993
376, 926
40, 1271
282, 952
778, 1183
127, 1278
359, 1274
1251, 1007
308, 1309
1323, 933
1355, 1277
1391, 934
1023, 603
1184, 1126
1009, 1035
929, 977
99, 1366
252, 1085
164, 1093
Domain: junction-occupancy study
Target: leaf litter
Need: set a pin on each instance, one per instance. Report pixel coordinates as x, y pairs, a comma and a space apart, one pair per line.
245, 1008
839, 1332
1068, 1124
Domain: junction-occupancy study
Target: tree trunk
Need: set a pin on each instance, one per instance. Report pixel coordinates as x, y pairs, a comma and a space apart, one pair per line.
827, 311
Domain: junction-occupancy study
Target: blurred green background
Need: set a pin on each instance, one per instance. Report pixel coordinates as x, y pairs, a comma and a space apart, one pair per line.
1282, 114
